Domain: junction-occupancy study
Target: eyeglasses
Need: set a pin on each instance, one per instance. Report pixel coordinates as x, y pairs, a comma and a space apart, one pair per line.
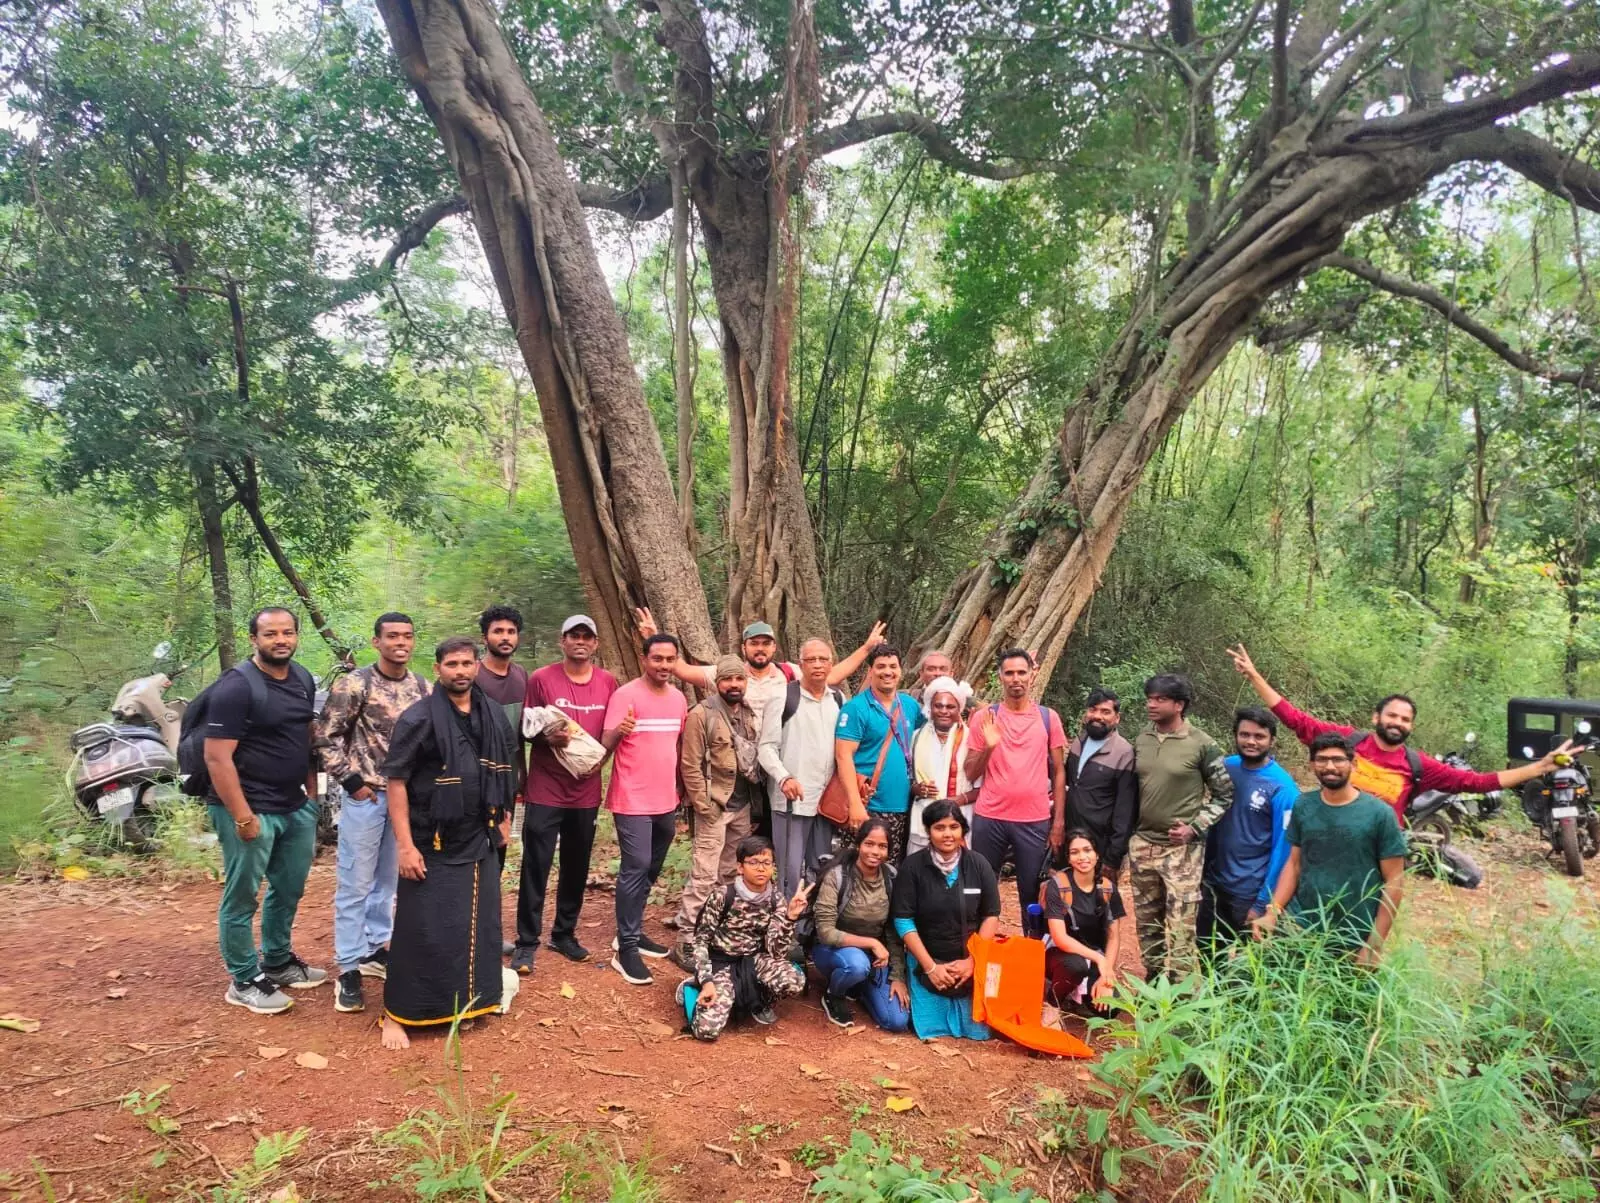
1330, 760
758, 862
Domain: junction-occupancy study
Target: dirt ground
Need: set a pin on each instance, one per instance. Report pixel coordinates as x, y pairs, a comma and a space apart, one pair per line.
126, 979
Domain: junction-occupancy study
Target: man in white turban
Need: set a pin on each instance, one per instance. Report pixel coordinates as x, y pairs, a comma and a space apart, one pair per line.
937, 754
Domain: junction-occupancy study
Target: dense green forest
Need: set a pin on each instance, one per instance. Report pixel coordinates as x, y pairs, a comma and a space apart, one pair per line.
247, 331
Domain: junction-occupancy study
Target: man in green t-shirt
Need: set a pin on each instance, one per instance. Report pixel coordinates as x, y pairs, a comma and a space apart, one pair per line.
1347, 858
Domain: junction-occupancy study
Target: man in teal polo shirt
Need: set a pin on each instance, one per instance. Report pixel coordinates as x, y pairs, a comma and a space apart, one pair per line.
879, 713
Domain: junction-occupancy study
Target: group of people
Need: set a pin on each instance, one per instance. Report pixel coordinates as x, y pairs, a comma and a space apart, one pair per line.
866, 834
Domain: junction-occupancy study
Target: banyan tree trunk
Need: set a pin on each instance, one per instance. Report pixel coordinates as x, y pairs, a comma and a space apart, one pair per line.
609, 464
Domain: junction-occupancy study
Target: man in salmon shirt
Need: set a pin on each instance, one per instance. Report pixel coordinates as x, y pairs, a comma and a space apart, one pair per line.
1385, 767
1019, 750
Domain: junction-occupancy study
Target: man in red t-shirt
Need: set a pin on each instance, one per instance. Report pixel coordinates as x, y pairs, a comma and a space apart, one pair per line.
558, 807
1019, 749
1385, 767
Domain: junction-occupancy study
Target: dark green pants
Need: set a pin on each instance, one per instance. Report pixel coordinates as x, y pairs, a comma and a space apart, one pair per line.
282, 854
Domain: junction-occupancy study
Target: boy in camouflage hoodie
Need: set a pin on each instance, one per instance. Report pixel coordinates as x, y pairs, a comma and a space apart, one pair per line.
740, 948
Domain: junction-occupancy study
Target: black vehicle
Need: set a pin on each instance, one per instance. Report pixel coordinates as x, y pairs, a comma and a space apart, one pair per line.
1445, 813
1561, 803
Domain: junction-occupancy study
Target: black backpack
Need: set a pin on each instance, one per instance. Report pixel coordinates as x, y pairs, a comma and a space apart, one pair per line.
192, 732
805, 927
791, 699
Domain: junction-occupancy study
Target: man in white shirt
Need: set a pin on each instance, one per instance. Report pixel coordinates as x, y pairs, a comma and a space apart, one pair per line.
797, 757
937, 756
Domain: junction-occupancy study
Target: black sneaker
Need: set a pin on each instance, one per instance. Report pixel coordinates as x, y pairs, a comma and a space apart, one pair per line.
647, 948
349, 997
764, 1015
296, 974
837, 1008
374, 965
631, 966
569, 947
522, 959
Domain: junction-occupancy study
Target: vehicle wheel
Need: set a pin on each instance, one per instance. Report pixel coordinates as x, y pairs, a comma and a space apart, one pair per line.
1594, 836
1567, 834
138, 831
1436, 824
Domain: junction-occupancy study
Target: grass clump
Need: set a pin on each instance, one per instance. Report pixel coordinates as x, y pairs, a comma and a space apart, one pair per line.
1292, 1075
869, 1172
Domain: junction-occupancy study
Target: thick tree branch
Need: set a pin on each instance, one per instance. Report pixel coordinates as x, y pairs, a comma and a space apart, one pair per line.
1459, 318
645, 201
1578, 73
1541, 162
415, 232
1335, 319
933, 138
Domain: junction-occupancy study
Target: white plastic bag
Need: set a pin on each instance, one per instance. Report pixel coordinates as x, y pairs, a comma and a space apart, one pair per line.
583, 753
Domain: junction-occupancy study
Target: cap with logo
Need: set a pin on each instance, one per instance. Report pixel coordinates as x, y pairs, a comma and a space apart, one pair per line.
579, 620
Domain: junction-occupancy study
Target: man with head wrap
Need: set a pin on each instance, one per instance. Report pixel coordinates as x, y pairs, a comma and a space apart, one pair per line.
938, 753
721, 771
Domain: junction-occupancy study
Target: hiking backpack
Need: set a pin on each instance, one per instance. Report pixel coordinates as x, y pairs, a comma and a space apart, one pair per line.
196, 778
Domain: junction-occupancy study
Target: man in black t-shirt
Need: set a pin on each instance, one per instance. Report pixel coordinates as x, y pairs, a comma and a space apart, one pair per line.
259, 761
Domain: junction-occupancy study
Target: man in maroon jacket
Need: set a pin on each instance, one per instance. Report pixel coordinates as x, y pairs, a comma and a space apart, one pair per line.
1385, 766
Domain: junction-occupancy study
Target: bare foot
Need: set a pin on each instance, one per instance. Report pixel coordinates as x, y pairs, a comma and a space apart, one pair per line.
394, 1035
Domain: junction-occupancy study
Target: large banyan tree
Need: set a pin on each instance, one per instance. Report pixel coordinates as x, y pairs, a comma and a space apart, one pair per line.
1253, 138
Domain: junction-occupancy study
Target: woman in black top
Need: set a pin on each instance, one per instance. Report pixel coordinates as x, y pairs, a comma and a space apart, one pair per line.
943, 895
1081, 912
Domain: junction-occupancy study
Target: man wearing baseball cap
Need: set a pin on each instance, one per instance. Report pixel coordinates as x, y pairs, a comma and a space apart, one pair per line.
721, 775
560, 809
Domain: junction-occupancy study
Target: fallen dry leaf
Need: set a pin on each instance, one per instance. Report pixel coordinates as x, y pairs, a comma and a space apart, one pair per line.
269, 1053
549, 1023
611, 1106
311, 1061
894, 1065
102, 1138
891, 1084
656, 1028
812, 1071
773, 1041
114, 974
899, 1102
117, 992
944, 1050
75, 873
61, 1091
781, 1168
568, 991
624, 1121
20, 1023
139, 1047
67, 964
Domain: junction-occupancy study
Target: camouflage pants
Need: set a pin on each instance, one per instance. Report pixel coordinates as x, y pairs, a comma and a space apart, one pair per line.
1166, 903
782, 979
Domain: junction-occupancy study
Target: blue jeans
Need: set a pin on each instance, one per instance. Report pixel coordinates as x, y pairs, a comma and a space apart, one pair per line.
850, 975
363, 898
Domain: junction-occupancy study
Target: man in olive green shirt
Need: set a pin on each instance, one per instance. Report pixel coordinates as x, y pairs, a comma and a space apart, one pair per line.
1183, 789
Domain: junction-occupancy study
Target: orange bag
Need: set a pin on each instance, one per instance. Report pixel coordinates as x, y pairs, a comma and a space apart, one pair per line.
1008, 994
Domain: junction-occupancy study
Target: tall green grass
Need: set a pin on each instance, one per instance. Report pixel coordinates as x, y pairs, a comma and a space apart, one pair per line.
1446, 1075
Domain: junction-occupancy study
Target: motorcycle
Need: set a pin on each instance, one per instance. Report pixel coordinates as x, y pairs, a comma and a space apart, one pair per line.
1561, 804
122, 771
1445, 813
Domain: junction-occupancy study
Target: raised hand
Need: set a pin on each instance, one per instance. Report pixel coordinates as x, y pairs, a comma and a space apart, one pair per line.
1241, 660
646, 622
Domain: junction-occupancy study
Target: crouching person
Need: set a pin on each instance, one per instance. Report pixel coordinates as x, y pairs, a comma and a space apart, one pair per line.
741, 941
857, 949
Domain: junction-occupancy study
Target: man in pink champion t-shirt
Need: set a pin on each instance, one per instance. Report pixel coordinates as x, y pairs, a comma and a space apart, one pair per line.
644, 722
1019, 749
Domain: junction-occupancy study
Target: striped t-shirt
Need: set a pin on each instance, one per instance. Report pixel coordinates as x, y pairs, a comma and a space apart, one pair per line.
644, 772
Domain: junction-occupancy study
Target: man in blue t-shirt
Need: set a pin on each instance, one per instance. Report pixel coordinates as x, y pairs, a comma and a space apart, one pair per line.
1247, 847
881, 712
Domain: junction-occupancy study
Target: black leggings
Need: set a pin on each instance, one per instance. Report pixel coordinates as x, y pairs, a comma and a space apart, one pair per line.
1063, 971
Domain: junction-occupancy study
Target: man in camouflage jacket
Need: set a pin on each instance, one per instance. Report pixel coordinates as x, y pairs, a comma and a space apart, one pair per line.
1183, 789
352, 741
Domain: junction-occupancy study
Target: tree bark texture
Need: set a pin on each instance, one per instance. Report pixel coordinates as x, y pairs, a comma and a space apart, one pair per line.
742, 199
211, 511
1038, 571
610, 469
